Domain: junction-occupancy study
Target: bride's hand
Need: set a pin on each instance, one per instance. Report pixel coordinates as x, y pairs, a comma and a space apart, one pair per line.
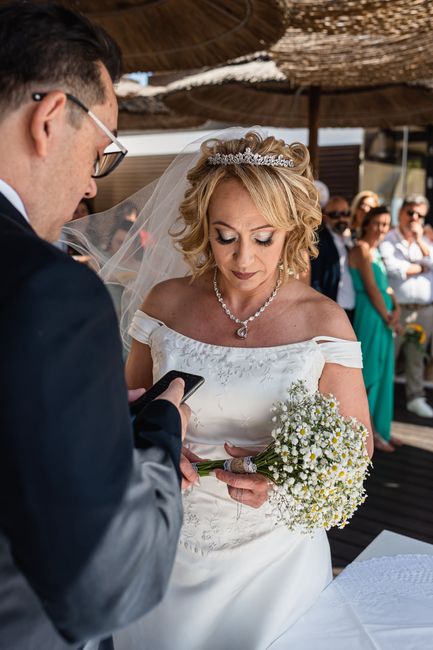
249, 489
189, 475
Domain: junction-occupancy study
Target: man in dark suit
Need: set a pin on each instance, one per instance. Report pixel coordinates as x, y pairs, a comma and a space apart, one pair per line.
330, 270
88, 525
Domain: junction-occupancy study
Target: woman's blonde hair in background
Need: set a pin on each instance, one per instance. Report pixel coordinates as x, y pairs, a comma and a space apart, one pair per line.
357, 200
286, 196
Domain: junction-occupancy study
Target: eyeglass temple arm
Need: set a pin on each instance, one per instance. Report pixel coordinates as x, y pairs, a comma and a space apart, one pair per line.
39, 96
107, 132
98, 122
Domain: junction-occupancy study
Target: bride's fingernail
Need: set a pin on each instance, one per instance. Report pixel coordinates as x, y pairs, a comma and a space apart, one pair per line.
226, 442
197, 480
212, 473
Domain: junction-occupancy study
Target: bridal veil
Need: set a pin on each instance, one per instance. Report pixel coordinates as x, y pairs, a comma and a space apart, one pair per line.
148, 255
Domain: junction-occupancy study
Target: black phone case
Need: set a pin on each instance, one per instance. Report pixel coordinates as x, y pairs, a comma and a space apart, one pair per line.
192, 382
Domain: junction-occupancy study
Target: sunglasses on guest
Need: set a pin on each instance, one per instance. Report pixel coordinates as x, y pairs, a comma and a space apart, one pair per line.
412, 213
336, 214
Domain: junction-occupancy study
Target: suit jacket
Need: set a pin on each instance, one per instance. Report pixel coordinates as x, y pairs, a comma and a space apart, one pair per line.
325, 269
88, 526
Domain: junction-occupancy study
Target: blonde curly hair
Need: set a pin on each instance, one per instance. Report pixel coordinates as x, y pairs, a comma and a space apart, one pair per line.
286, 196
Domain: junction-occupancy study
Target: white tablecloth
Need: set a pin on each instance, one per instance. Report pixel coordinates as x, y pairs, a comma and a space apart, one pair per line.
384, 603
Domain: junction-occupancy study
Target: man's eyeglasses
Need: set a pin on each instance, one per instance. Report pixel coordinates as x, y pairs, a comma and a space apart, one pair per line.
110, 159
412, 213
336, 214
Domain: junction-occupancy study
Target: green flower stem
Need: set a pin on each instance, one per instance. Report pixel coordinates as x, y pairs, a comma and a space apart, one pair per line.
263, 460
205, 467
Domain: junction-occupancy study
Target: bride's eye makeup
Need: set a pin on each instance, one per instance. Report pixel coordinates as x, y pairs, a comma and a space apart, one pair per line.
264, 238
225, 237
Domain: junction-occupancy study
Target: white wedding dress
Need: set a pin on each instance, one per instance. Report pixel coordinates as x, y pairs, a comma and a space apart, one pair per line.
239, 581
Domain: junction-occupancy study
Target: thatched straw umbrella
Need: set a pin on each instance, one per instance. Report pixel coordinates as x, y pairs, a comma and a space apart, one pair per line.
142, 108
257, 92
364, 60
184, 34
392, 17
320, 61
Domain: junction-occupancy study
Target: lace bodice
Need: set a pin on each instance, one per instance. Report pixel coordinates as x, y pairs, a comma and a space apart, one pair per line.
233, 405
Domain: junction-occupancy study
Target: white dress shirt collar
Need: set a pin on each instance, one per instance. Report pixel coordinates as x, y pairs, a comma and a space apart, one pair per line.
13, 197
345, 292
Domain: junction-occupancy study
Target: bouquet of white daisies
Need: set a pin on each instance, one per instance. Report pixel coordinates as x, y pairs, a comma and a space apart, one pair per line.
317, 462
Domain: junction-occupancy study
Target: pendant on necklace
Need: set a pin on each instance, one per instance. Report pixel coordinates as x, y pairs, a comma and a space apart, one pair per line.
242, 332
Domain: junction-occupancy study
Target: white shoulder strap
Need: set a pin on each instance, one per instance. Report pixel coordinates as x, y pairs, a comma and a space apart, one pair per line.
334, 350
142, 326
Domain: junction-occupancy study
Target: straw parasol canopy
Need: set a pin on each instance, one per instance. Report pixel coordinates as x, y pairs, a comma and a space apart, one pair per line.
322, 61
184, 34
257, 92
363, 60
142, 107
392, 17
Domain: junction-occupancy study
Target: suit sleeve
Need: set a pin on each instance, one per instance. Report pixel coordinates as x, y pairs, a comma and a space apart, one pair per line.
93, 524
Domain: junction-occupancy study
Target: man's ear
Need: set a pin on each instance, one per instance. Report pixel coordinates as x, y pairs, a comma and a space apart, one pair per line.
46, 118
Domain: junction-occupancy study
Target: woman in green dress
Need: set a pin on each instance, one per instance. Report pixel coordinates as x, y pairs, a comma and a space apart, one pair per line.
376, 319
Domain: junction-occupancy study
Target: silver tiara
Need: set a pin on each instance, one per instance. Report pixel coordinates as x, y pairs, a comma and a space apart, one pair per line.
249, 158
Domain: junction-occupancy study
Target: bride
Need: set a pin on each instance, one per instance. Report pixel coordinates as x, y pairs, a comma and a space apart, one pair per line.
248, 212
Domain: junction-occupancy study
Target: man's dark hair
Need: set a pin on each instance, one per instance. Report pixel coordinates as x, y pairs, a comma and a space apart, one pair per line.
49, 47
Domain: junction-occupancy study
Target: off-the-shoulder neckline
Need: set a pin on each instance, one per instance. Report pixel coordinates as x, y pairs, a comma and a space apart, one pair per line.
316, 340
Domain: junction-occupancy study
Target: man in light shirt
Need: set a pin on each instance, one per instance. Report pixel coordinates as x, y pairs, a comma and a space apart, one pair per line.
409, 263
330, 270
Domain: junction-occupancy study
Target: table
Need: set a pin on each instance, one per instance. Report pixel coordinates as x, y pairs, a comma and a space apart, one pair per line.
388, 543
382, 601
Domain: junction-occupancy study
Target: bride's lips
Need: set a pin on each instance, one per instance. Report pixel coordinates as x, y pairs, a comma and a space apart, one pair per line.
243, 276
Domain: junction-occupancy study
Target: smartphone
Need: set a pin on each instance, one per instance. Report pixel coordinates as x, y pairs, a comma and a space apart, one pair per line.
192, 382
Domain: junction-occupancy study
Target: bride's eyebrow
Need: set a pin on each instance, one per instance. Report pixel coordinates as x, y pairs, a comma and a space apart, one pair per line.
222, 223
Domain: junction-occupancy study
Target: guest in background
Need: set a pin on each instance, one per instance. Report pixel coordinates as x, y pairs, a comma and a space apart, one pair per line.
323, 193
127, 211
428, 373
428, 234
330, 270
117, 236
409, 263
83, 209
376, 317
361, 204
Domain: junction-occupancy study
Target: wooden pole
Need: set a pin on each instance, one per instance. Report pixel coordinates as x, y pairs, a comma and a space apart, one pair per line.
429, 170
313, 126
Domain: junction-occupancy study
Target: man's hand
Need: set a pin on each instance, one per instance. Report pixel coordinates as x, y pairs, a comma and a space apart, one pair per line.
134, 394
249, 489
416, 230
189, 475
174, 394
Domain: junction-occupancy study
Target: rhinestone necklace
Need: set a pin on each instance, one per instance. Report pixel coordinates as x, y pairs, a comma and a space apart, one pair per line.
242, 332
